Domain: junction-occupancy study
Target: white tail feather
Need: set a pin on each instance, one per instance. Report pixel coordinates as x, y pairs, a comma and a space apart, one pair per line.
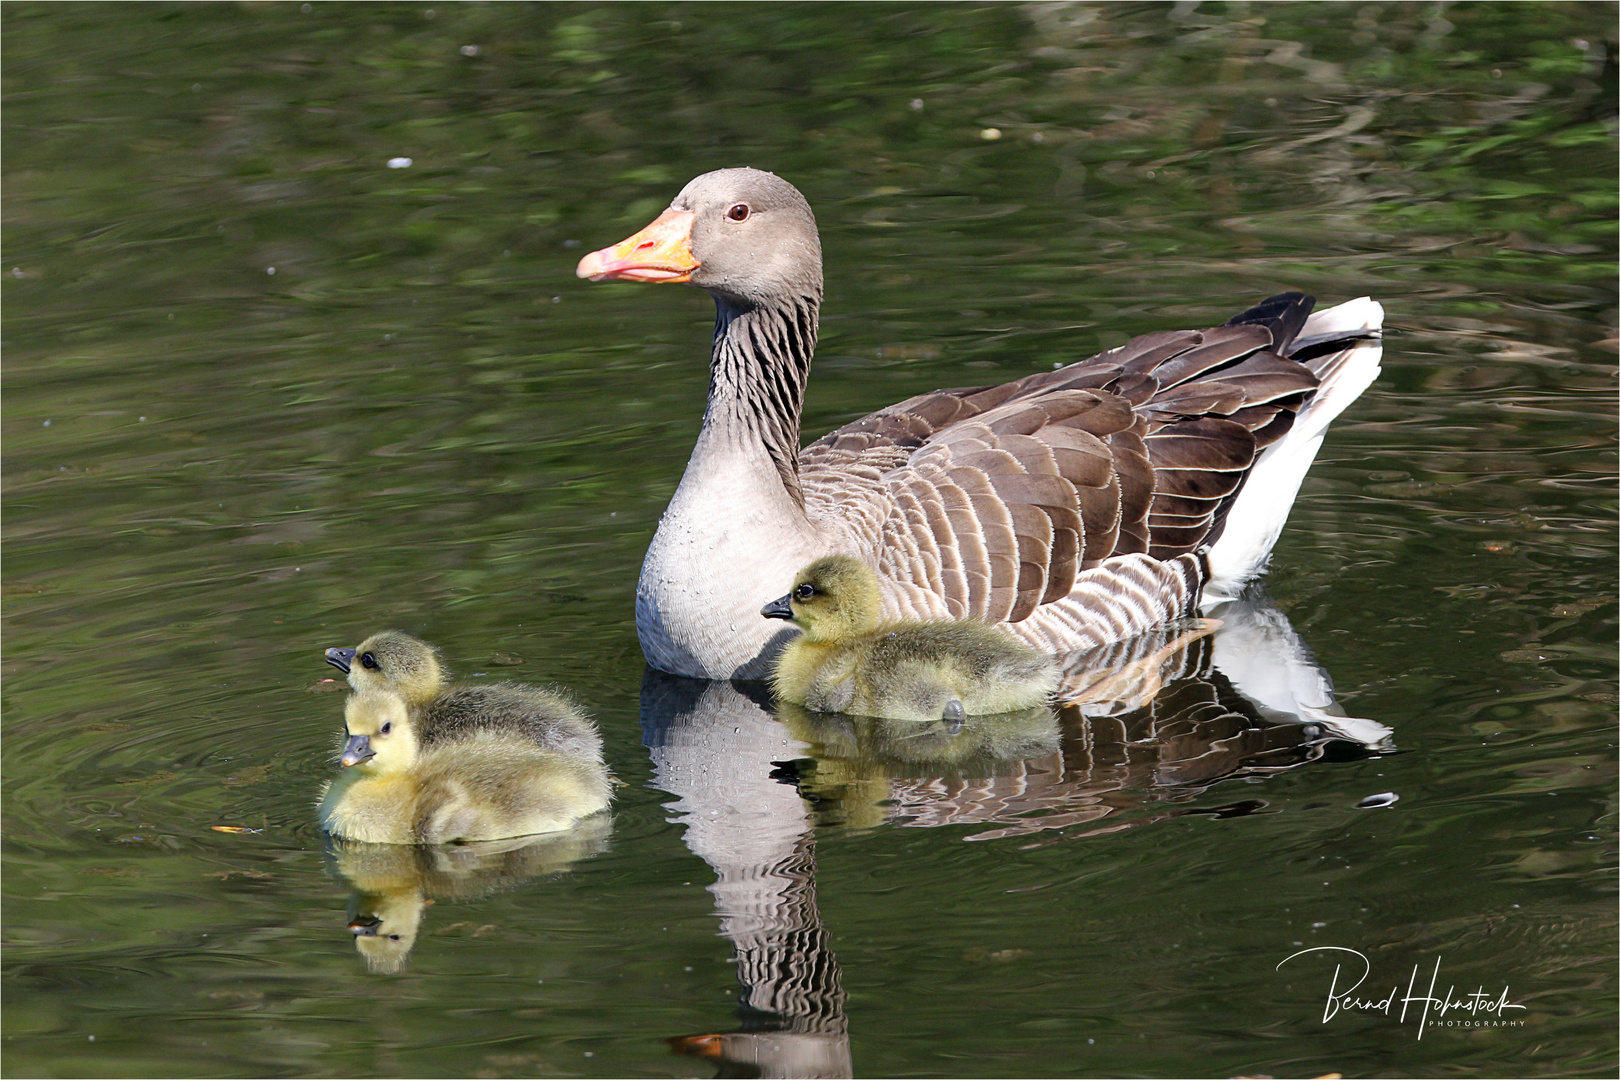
1256, 518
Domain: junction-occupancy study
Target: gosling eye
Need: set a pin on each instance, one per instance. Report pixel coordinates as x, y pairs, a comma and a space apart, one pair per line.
804, 591
369, 661
739, 212
386, 728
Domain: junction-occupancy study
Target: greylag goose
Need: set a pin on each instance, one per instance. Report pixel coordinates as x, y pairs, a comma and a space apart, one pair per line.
484, 783
396, 663
849, 660
1078, 506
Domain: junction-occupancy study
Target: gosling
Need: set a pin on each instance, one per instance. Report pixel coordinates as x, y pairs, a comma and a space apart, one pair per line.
848, 661
479, 782
395, 662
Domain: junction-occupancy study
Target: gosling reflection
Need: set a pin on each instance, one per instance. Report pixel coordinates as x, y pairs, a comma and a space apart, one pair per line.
394, 884
854, 762
847, 660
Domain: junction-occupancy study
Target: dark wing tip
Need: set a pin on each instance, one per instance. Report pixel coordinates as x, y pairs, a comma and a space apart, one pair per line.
1284, 315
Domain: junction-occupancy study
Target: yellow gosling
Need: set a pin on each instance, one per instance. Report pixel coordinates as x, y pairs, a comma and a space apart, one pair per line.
394, 662
480, 782
849, 661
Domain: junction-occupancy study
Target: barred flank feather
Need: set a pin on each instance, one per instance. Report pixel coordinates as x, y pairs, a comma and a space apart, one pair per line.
1023, 503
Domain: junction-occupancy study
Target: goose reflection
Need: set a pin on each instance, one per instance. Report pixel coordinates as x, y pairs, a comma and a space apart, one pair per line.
1162, 716
715, 747
395, 883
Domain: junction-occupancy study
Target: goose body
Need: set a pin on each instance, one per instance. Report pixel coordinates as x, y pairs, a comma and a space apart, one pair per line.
479, 783
848, 660
1075, 507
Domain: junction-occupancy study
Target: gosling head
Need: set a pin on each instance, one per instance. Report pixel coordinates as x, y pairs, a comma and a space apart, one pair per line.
395, 662
834, 597
379, 734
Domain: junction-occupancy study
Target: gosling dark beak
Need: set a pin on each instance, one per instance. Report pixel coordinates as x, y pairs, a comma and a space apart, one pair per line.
364, 925
357, 749
778, 609
340, 659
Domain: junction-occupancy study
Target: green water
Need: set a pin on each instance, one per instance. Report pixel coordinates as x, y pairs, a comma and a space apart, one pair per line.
422, 419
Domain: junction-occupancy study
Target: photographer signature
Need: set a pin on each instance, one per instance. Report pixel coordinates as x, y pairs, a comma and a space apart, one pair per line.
1477, 1004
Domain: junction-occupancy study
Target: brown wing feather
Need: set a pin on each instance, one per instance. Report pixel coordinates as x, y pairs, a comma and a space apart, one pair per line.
1136, 480
1218, 348
996, 498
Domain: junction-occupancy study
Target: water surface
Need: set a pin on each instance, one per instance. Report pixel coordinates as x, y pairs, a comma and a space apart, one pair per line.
265, 394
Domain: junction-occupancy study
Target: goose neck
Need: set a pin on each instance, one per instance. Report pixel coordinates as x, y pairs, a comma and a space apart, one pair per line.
757, 375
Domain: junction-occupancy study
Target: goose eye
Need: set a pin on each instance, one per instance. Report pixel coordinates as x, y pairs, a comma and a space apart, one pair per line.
804, 592
739, 212
370, 661
386, 728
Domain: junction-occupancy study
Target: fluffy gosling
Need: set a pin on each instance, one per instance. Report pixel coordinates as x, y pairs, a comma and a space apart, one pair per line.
848, 661
482, 783
395, 662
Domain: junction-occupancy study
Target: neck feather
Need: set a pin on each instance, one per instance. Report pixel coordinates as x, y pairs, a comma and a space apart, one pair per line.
757, 375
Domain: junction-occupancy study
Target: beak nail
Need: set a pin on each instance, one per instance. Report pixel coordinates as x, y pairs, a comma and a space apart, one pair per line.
357, 749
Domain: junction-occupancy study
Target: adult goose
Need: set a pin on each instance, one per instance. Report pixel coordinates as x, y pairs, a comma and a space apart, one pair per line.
1076, 506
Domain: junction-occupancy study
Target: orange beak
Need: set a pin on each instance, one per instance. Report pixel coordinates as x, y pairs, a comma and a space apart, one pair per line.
660, 252
709, 1046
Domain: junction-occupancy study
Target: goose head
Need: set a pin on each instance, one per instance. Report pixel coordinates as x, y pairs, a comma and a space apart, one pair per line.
833, 599
378, 733
745, 235
393, 662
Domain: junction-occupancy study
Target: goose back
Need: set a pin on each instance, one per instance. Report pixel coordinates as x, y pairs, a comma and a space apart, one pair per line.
996, 499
